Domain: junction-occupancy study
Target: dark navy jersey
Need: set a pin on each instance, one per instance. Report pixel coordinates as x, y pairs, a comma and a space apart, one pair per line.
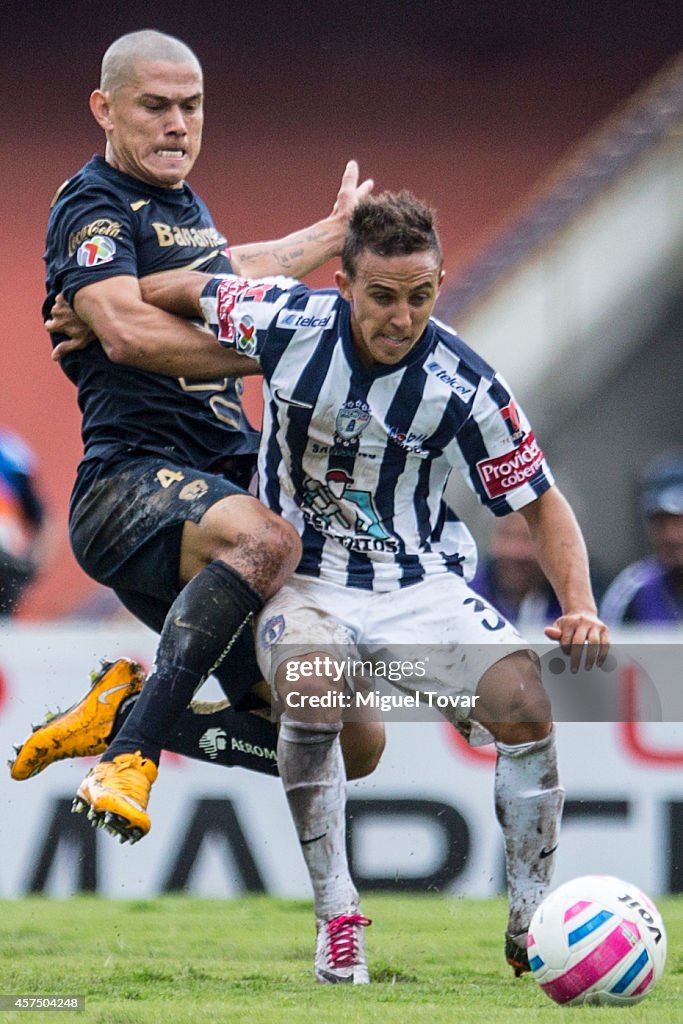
106, 224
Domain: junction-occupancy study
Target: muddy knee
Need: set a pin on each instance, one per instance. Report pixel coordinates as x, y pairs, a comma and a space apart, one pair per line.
513, 704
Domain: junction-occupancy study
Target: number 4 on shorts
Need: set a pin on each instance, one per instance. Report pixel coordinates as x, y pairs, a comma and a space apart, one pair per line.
166, 477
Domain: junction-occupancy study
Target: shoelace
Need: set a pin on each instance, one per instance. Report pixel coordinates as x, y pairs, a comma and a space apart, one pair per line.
343, 939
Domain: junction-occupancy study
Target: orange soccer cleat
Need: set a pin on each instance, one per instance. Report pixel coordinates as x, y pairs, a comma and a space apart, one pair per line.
115, 794
85, 728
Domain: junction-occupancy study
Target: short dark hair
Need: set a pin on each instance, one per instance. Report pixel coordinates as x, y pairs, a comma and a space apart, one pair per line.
389, 224
138, 47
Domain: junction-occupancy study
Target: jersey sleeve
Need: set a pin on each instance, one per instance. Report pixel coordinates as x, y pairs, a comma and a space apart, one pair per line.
242, 312
498, 452
91, 238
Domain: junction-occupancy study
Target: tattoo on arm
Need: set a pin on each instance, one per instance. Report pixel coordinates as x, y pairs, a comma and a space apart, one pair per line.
285, 252
276, 252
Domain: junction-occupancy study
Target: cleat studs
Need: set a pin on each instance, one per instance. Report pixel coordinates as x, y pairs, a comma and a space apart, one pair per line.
18, 747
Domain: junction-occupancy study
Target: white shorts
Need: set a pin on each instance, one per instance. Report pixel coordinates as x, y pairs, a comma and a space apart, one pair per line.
440, 631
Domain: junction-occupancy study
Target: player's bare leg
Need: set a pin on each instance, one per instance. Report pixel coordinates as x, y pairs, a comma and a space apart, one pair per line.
362, 746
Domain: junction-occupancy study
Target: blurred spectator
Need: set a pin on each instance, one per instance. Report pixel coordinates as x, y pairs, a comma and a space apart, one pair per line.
23, 528
512, 580
651, 589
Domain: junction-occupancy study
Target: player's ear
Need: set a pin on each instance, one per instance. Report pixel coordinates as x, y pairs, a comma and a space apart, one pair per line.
99, 108
343, 284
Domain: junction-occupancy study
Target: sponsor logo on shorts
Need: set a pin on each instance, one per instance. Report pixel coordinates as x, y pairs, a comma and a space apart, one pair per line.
95, 251
296, 318
213, 741
504, 473
271, 631
459, 385
195, 489
253, 748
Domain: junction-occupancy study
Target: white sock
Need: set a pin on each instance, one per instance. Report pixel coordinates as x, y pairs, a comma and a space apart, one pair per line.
312, 771
529, 802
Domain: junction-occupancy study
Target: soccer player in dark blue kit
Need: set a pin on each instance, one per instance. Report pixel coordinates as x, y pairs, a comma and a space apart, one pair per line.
160, 511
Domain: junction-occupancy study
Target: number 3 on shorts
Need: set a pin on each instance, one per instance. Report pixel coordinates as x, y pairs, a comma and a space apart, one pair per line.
479, 607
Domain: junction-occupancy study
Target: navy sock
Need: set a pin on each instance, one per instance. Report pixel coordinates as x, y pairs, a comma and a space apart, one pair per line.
223, 736
203, 623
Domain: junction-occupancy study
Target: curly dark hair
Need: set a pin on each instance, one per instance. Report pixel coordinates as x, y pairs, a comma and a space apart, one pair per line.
389, 224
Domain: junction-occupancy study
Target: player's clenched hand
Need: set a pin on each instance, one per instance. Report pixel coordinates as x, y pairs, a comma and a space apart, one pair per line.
63, 320
581, 632
350, 192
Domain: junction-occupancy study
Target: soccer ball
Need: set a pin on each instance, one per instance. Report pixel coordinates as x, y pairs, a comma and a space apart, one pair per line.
597, 940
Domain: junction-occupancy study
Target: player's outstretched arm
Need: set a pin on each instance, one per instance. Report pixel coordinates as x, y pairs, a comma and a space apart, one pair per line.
135, 333
561, 552
176, 291
303, 251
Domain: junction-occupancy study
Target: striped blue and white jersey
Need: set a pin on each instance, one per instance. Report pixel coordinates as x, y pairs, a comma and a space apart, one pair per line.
357, 458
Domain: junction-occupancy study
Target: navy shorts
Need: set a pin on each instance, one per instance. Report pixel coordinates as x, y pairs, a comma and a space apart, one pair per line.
125, 526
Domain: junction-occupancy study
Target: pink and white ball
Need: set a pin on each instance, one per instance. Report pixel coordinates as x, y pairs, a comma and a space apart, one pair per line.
597, 940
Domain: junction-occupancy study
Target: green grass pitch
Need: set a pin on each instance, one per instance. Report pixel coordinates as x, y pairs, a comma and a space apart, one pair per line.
177, 960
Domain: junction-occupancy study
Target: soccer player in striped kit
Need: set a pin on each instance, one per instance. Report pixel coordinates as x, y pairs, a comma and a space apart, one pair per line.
369, 405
